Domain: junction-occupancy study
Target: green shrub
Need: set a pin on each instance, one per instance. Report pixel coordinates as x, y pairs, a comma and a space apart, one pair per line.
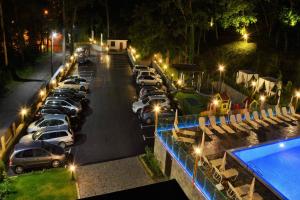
2, 171
152, 163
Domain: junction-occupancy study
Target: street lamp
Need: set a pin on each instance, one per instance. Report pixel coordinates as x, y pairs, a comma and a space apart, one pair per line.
53, 35
72, 168
221, 69
198, 153
156, 111
23, 113
262, 99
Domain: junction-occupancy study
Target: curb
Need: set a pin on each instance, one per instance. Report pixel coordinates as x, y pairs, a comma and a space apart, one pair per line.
149, 172
77, 189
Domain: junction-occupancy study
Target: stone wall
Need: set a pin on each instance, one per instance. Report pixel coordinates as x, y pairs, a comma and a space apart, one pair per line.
160, 153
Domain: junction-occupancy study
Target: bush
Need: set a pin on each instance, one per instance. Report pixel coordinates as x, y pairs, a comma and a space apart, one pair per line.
2, 171
152, 163
6, 187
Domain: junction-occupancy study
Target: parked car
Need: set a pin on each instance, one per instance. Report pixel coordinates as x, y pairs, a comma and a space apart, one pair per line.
64, 102
148, 116
51, 122
55, 109
62, 137
148, 80
152, 100
147, 73
147, 88
152, 93
36, 154
138, 68
79, 94
77, 85
77, 98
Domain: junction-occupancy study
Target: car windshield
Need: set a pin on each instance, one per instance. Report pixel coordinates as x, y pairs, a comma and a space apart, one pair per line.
145, 100
38, 121
57, 150
36, 135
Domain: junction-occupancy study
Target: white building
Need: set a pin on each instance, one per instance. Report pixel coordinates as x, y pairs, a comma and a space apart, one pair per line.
117, 44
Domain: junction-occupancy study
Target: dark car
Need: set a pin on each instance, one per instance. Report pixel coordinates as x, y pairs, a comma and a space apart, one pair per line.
146, 89
75, 97
36, 154
55, 109
147, 114
71, 90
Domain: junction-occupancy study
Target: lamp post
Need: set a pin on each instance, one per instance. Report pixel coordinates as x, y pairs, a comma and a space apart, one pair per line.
297, 94
53, 35
156, 111
221, 69
262, 99
197, 152
72, 169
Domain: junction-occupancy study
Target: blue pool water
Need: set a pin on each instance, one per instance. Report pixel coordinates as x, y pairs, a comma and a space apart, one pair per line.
276, 164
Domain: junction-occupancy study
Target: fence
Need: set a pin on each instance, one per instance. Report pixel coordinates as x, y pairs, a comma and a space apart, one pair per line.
12, 133
201, 179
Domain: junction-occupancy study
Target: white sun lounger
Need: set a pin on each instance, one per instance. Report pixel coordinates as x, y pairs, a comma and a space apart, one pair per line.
293, 112
285, 113
251, 122
184, 132
213, 124
182, 139
239, 120
225, 126
264, 117
241, 192
203, 127
280, 115
235, 125
256, 118
271, 115
227, 174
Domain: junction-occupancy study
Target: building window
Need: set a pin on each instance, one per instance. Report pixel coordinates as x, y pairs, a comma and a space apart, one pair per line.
112, 43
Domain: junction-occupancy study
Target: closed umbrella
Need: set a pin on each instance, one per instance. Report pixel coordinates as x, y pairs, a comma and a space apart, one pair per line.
251, 191
176, 118
222, 168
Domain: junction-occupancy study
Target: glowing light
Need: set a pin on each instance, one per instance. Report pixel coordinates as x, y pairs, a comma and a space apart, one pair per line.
46, 12
245, 36
72, 58
72, 168
281, 145
156, 108
165, 66
53, 82
160, 60
61, 70
221, 67
54, 35
75, 55
137, 56
42, 93
67, 64
172, 74
262, 98
133, 50
297, 94
253, 83
24, 111
179, 82
197, 151
215, 102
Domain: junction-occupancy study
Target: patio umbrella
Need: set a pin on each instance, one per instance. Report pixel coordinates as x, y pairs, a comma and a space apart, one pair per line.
222, 167
251, 191
176, 117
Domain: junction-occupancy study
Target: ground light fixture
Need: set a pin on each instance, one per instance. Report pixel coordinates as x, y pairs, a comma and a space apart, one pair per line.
246, 37
156, 110
262, 99
179, 82
72, 169
165, 66
53, 35
215, 102
42, 93
23, 113
221, 69
197, 152
53, 82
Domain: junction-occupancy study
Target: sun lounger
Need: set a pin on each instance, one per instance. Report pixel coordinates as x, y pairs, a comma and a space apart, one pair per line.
184, 132
182, 139
237, 126
293, 112
240, 191
264, 117
251, 122
279, 114
213, 124
271, 115
226, 174
203, 127
286, 114
256, 118
225, 126
239, 120
255, 196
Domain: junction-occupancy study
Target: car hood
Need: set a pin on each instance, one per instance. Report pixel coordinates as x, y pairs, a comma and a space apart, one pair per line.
26, 138
31, 127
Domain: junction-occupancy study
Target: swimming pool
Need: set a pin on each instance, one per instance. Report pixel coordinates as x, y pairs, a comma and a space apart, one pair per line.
276, 164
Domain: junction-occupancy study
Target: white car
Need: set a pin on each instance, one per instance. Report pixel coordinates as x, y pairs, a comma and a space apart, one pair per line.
151, 100
76, 84
51, 122
148, 80
138, 68
147, 73
63, 138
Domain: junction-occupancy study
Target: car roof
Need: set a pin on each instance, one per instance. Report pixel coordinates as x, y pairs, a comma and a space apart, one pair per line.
28, 145
57, 98
55, 116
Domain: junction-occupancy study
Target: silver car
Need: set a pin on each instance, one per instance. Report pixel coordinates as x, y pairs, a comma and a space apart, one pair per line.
61, 138
64, 102
49, 122
36, 154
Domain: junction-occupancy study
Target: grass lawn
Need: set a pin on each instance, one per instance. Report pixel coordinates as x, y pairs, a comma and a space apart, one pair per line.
48, 185
191, 103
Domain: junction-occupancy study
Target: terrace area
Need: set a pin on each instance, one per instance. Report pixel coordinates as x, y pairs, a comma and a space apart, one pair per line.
215, 146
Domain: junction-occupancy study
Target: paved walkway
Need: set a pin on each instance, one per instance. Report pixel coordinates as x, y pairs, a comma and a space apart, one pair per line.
112, 176
22, 92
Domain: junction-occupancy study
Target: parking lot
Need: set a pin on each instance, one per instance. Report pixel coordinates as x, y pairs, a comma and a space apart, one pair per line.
110, 130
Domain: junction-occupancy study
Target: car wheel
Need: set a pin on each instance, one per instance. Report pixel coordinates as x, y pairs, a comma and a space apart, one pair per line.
149, 120
62, 145
19, 169
55, 163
